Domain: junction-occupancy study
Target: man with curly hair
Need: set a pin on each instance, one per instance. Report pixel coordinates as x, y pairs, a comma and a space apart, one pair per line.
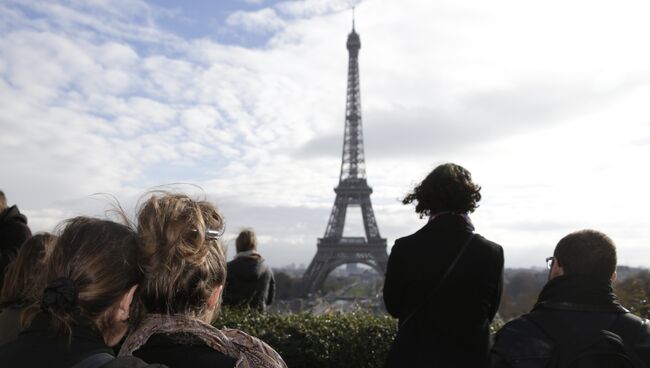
443, 282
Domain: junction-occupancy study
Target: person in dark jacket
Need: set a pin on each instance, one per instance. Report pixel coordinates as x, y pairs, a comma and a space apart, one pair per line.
451, 327
578, 300
185, 270
23, 283
91, 277
250, 281
13, 233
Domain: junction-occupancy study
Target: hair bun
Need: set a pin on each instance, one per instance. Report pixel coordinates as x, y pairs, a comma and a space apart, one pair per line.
61, 293
191, 244
182, 261
174, 228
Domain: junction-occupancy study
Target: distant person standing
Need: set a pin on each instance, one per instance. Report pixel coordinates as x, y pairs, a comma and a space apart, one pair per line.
13, 233
443, 282
249, 282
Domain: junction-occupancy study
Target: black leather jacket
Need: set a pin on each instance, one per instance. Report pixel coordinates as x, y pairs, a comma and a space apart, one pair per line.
577, 302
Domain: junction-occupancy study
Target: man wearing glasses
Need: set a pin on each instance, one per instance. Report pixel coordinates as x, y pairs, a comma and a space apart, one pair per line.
577, 320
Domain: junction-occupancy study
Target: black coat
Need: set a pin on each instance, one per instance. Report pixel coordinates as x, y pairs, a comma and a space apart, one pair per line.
453, 331
249, 283
38, 346
182, 351
13, 233
577, 302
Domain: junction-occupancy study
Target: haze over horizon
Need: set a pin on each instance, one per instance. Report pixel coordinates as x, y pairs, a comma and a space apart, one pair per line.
547, 104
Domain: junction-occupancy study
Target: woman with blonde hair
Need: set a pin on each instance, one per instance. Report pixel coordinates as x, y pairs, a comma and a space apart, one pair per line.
185, 271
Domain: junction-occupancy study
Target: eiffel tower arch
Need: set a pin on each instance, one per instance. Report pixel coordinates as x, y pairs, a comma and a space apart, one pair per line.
333, 249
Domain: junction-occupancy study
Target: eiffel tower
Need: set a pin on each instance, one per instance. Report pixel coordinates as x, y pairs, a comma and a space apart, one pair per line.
333, 249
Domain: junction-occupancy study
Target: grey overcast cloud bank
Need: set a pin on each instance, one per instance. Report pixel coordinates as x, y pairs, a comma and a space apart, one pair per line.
546, 103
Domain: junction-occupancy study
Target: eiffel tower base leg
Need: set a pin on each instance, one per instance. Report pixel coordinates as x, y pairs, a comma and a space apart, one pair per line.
327, 260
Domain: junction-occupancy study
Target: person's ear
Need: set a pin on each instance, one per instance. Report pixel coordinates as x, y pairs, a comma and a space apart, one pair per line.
125, 304
213, 301
556, 270
614, 276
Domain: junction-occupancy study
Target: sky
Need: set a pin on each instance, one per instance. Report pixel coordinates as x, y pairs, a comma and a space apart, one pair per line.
242, 102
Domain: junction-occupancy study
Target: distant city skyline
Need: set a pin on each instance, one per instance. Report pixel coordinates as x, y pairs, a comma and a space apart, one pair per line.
547, 104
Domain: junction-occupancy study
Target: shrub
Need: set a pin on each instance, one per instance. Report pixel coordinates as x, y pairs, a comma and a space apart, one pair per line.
333, 340
633, 294
356, 340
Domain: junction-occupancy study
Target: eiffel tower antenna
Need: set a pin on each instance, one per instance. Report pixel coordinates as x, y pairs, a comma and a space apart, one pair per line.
353, 18
333, 249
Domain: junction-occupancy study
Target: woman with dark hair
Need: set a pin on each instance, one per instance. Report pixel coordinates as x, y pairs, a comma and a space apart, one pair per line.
443, 282
91, 277
185, 271
23, 283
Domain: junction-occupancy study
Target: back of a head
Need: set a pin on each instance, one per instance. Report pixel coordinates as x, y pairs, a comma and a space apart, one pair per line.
24, 280
246, 241
93, 263
3, 201
182, 264
448, 188
587, 252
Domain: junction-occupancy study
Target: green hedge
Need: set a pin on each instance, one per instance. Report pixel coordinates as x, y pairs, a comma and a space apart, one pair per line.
356, 340
305, 340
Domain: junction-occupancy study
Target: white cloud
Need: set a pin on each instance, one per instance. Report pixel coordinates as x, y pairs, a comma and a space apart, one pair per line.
550, 114
130, 20
200, 119
260, 21
112, 54
310, 8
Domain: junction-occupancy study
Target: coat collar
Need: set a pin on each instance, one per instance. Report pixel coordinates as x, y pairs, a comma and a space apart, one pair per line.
248, 254
81, 329
580, 293
448, 221
62, 349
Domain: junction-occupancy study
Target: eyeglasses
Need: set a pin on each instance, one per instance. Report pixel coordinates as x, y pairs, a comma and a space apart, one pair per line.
549, 262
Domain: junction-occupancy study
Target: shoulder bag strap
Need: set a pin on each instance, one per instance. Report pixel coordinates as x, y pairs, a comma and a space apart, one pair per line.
433, 291
94, 361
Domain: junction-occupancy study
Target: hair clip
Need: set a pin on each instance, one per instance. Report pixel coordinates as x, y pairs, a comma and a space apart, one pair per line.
215, 234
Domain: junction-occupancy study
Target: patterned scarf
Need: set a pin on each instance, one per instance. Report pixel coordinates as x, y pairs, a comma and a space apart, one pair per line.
248, 350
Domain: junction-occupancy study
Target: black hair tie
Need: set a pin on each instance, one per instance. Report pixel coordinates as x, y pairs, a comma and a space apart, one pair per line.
62, 294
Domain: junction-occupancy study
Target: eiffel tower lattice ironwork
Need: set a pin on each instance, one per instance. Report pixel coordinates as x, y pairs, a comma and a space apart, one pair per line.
333, 249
